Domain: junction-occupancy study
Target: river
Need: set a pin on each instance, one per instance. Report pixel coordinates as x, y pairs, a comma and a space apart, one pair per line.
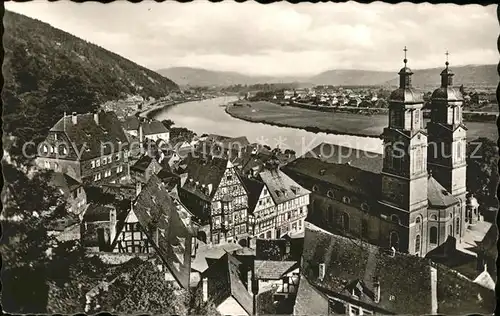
209, 117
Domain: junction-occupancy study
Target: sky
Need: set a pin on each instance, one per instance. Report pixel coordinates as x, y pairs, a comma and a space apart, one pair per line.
279, 38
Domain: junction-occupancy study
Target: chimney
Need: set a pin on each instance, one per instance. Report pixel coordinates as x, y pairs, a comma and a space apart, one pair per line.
138, 188
112, 224
376, 290
321, 271
141, 134
96, 117
74, 118
205, 289
249, 281
434, 301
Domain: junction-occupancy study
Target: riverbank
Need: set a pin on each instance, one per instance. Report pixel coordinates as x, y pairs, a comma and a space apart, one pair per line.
332, 122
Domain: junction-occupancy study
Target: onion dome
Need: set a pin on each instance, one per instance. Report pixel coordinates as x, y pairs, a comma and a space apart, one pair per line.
446, 91
405, 93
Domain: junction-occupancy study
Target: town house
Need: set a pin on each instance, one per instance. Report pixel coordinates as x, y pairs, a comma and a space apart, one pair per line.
214, 192
91, 148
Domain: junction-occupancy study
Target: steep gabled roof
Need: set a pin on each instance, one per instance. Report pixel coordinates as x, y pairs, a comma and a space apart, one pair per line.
438, 196
131, 123
254, 189
226, 271
206, 171
281, 187
86, 132
273, 270
153, 127
142, 164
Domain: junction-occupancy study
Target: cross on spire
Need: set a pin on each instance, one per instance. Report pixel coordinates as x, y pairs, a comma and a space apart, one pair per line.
405, 60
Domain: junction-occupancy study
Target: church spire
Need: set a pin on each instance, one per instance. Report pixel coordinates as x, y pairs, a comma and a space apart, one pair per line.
446, 74
405, 74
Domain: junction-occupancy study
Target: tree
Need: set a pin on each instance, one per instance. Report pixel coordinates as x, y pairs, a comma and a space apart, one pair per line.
30, 204
482, 170
168, 123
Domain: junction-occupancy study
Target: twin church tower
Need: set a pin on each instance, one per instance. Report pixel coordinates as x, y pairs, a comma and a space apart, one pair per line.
424, 170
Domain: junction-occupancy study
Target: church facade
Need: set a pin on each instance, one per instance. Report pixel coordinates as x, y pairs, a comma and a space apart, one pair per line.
413, 196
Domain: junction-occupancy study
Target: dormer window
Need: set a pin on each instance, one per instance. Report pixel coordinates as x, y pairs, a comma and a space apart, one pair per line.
365, 207
394, 218
315, 188
322, 172
330, 194
346, 200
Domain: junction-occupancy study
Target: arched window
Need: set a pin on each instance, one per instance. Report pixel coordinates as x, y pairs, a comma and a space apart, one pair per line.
394, 240
418, 220
365, 207
394, 218
458, 226
433, 235
450, 230
315, 188
344, 221
45, 149
346, 200
417, 244
330, 194
434, 217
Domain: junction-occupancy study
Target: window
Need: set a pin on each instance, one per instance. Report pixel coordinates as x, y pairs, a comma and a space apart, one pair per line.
344, 221
92, 164
229, 178
394, 240
315, 188
117, 156
434, 217
98, 163
417, 118
394, 218
104, 161
417, 244
450, 230
330, 194
56, 166
346, 200
51, 149
300, 223
45, 149
458, 226
109, 159
433, 235
418, 220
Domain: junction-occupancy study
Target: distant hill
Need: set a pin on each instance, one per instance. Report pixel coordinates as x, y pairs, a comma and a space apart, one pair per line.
42, 63
470, 76
187, 76
347, 77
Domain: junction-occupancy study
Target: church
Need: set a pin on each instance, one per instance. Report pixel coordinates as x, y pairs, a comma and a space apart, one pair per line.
411, 197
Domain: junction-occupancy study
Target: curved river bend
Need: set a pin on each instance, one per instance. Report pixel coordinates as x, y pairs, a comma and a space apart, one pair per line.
209, 117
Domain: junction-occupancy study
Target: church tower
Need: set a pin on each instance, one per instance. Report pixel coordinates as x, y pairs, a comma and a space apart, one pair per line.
447, 139
404, 175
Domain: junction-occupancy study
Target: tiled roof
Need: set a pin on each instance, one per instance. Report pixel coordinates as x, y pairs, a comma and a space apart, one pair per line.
405, 282
273, 270
154, 208
204, 170
438, 196
226, 270
362, 159
281, 187
310, 301
97, 213
153, 127
131, 123
213, 252
344, 176
87, 132
64, 182
142, 164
